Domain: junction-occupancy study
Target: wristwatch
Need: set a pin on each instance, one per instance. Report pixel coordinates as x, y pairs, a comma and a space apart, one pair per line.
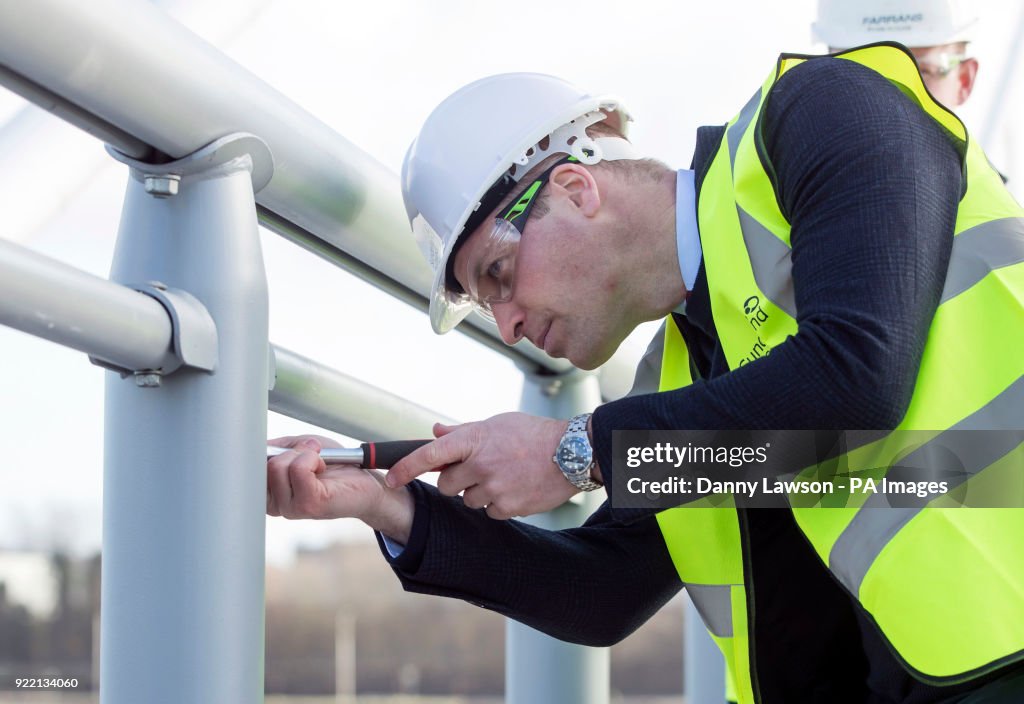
575, 456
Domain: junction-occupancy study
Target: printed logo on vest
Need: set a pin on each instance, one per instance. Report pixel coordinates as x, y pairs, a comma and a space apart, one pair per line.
755, 314
756, 317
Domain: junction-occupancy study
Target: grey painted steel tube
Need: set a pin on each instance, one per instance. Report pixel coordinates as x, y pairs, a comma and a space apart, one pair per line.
703, 663
311, 392
156, 83
58, 302
69, 112
184, 491
155, 80
55, 301
540, 669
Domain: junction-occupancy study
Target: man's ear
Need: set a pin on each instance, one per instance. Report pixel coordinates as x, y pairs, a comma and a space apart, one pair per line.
968, 71
577, 185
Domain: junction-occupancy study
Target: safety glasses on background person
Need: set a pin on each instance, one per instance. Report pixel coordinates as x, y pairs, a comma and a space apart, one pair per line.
940, 65
491, 267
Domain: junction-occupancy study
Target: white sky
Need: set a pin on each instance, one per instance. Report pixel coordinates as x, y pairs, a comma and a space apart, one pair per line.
373, 71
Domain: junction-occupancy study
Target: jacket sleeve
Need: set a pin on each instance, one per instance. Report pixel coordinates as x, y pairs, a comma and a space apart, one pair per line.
870, 186
592, 585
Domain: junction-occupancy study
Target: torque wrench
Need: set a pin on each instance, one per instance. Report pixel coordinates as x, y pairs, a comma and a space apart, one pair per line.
369, 455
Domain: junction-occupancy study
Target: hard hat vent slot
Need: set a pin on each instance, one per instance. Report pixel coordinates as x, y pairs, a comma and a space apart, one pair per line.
587, 150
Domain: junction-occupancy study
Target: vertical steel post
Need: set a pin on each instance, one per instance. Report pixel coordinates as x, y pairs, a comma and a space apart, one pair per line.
703, 664
184, 487
540, 669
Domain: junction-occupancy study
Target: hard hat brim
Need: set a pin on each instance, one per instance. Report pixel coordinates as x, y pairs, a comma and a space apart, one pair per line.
444, 313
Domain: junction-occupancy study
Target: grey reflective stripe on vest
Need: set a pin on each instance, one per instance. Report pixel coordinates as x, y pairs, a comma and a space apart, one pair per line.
981, 249
735, 133
976, 252
769, 256
875, 524
714, 604
771, 261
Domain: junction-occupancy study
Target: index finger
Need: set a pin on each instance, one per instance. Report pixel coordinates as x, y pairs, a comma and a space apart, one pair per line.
296, 442
445, 450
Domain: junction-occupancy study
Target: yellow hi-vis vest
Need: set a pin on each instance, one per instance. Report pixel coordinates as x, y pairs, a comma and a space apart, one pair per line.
944, 586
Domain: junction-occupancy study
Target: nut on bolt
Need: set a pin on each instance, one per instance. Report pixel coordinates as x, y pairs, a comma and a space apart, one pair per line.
552, 388
161, 185
147, 380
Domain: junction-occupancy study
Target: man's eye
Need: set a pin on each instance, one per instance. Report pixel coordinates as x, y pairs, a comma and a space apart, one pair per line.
933, 72
495, 268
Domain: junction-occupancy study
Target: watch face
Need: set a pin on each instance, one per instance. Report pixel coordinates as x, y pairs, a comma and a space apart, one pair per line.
574, 455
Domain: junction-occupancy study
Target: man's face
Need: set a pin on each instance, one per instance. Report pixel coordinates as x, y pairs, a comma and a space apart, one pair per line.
947, 74
565, 287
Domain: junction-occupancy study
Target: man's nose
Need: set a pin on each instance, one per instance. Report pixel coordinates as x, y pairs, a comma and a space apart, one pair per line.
510, 319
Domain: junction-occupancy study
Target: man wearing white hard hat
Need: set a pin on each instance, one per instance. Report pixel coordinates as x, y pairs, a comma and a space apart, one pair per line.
840, 256
936, 31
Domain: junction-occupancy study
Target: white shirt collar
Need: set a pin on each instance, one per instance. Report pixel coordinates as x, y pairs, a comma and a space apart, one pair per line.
687, 238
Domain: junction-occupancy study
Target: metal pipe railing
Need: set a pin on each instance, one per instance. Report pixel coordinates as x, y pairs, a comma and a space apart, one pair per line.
183, 509
540, 669
57, 302
131, 330
314, 393
146, 80
157, 91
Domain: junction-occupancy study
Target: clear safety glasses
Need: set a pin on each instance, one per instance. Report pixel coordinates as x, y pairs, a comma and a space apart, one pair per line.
940, 65
491, 265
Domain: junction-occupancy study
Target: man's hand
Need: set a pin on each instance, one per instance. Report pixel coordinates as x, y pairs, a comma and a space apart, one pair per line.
300, 485
502, 463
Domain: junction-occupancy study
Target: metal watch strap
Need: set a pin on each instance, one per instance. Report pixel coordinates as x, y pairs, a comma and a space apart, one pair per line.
581, 480
578, 424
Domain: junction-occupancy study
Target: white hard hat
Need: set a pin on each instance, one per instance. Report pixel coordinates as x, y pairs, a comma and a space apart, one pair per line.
471, 141
842, 24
